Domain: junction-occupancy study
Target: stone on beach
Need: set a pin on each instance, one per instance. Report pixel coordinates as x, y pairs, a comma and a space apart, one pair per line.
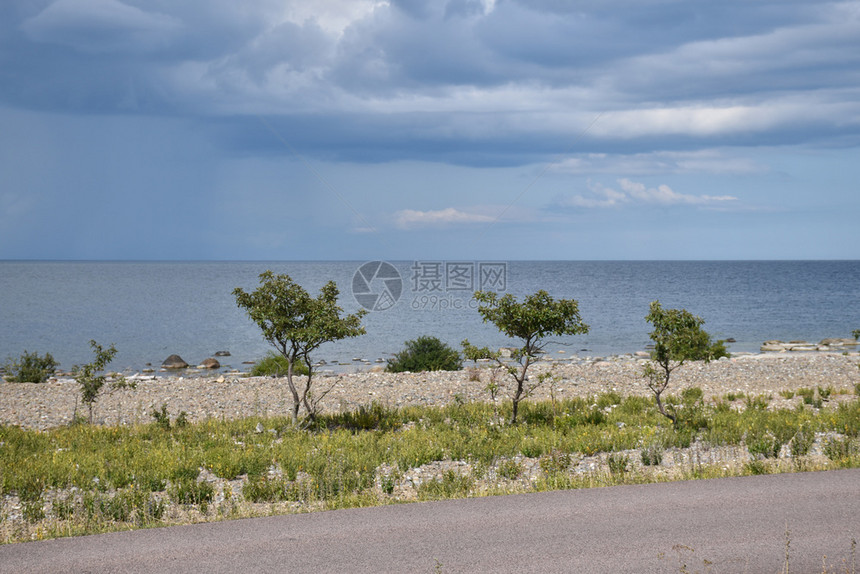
174, 362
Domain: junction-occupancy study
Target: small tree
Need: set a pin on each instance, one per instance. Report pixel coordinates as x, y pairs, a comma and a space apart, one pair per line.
425, 354
678, 337
296, 324
532, 321
92, 379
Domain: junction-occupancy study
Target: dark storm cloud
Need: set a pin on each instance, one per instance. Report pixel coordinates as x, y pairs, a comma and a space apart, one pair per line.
467, 81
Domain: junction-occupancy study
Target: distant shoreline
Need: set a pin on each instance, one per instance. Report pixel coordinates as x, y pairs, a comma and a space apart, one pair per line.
357, 365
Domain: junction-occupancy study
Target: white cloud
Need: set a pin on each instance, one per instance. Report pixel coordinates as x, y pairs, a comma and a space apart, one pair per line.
601, 197
664, 194
636, 192
711, 161
410, 218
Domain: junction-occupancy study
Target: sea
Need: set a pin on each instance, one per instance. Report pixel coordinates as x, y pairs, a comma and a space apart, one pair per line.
150, 310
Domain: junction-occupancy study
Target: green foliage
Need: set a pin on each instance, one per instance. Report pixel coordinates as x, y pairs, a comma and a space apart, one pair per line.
193, 492
30, 368
756, 467
555, 462
425, 354
759, 402
272, 489
856, 333
375, 416
275, 365
617, 463
92, 379
162, 418
510, 469
652, 455
839, 449
452, 485
531, 321
678, 337
762, 444
33, 510
296, 324
801, 442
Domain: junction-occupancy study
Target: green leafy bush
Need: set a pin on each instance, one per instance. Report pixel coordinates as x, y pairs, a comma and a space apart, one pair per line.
617, 463
652, 455
30, 368
275, 365
425, 354
193, 492
762, 444
510, 469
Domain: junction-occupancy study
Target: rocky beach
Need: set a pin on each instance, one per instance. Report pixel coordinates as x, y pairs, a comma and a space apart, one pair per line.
235, 395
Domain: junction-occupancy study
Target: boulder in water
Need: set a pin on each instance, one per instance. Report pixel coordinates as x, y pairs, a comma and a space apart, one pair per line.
174, 362
210, 363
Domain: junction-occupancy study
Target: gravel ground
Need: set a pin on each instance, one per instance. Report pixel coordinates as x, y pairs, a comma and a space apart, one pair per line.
51, 404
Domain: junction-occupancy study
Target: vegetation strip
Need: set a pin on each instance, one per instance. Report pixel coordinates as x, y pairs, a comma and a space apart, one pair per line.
85, 479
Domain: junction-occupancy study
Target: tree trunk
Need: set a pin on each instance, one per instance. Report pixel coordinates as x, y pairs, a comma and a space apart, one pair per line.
296, 400
662, 409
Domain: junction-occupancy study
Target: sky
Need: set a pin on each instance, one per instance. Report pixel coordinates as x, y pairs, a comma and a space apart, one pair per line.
407, 130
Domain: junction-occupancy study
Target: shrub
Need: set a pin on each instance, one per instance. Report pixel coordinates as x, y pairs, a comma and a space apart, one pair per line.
617, 463
838, 449
801, 442
762, 444
452, 485
275, 365
30, 368
510, 469
652, 455
193, 492
162, 418
92, 383
555, 462
425, 354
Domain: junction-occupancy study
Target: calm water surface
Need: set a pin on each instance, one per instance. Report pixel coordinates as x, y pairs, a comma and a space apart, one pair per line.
152, 309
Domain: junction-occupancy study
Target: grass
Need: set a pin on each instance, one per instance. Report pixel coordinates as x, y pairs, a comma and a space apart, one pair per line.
86, 479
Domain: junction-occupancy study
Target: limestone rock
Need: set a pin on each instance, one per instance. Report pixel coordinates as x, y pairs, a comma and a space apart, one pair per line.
776, 346
838, 342
174, 362
210, 363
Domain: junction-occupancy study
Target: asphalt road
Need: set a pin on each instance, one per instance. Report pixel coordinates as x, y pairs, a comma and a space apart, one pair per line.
738, 524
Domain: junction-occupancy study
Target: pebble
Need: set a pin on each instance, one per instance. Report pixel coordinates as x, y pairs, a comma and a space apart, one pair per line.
53, 404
